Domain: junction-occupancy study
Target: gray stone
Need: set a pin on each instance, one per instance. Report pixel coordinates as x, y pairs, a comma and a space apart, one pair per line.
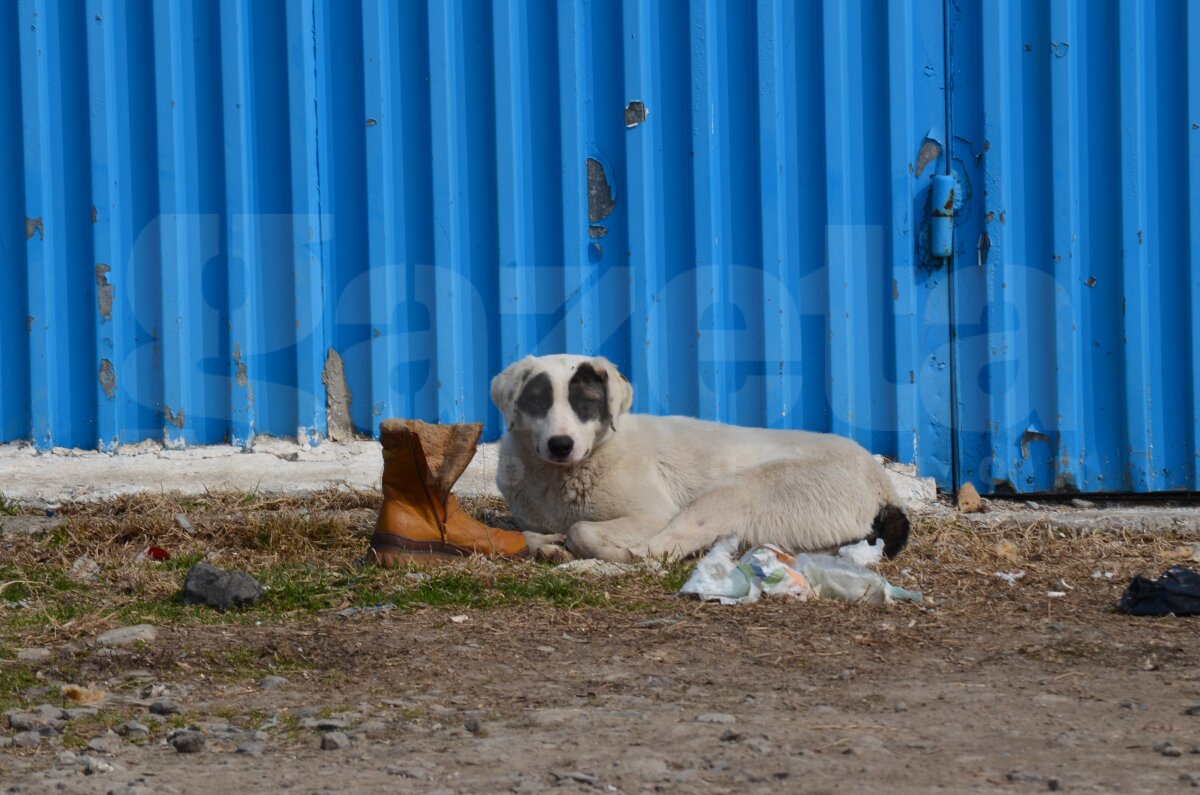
125, 636
324, 724
188, 741
1024, 777
84, 569
577, 776
715, 717
206, 584
473, 725
133, 729
33, 655
26, 740
164, 706
20, 721
334, 741
1194, 709
250, 748
105, 744
274, 682
1167, 749
91, 765
50, 712
1085, 504
81, 712
1134, 706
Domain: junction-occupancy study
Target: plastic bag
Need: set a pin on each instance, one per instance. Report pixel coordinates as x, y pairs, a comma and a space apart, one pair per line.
768, 570
1177, 592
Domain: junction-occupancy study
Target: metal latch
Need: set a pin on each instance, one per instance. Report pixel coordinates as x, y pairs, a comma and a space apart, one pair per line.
943, 216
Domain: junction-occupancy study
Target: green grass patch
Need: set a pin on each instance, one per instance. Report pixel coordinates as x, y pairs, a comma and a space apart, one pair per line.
13, 680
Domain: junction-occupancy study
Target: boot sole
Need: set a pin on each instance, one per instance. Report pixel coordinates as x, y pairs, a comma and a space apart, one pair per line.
390, 551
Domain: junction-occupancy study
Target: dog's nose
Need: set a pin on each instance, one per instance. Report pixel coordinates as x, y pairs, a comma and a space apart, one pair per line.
560, 446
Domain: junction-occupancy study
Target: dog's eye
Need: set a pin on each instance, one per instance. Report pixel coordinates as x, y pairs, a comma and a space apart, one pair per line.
537, 397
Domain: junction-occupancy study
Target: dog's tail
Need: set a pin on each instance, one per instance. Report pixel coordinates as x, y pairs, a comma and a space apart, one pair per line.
891, 524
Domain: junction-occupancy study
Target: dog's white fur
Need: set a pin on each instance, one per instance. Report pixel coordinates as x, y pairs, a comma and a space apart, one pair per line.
646, 486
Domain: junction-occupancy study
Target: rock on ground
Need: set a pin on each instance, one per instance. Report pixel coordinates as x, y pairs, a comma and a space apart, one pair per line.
124, 636
207, 584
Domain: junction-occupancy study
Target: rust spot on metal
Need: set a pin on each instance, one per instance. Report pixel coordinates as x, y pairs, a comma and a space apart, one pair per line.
990, 216
895, 290
239, 366
1002, 217
338, 426
986, 144
35, 225
94, 215
371, 122
1028, 48
1139, 237
171, 417
912, 377
108, 378
600, 196
984, 246
104, 291
635, 113
1091, 281
29, 324
949, 205
930, 150
597, 231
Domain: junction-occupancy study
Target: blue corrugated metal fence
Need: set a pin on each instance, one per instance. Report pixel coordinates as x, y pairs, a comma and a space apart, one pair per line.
298, 217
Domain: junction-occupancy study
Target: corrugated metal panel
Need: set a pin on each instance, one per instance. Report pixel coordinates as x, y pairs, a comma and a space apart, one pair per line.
1077, 285
200, 201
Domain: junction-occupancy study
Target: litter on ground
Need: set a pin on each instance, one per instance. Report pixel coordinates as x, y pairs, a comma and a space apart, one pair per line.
769, 571
1176, 592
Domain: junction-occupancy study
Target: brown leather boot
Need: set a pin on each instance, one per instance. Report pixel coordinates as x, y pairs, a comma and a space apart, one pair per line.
420, 518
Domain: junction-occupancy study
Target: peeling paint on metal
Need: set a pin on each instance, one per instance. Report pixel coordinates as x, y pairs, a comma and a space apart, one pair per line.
29, 324
95, 215
239, 366
104, 291
1091, 281
108, 378
1029, 436
635, 113
600, 194
985, 245
1059, 48
337, 398
930, 151
35, 225
173, 418
597, 231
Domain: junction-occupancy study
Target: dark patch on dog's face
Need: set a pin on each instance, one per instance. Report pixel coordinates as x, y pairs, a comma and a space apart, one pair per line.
588, 395
537, 396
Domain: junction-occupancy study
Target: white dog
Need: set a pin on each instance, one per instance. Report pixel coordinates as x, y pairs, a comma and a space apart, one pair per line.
623, 486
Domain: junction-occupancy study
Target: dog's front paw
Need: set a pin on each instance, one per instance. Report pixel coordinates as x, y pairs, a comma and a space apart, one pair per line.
553, 553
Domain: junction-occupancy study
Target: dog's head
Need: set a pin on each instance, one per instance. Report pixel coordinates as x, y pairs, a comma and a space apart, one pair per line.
566, 404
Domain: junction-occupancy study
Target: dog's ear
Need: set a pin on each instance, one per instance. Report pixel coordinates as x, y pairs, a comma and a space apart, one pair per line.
506, 388
620, 391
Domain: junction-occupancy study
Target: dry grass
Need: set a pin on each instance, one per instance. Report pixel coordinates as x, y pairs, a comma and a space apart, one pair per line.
307, 550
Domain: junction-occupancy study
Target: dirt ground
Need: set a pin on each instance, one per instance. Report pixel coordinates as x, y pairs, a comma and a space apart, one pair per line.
517, 678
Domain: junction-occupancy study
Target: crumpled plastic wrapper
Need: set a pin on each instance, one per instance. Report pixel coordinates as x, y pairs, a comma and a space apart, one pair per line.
767, 570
